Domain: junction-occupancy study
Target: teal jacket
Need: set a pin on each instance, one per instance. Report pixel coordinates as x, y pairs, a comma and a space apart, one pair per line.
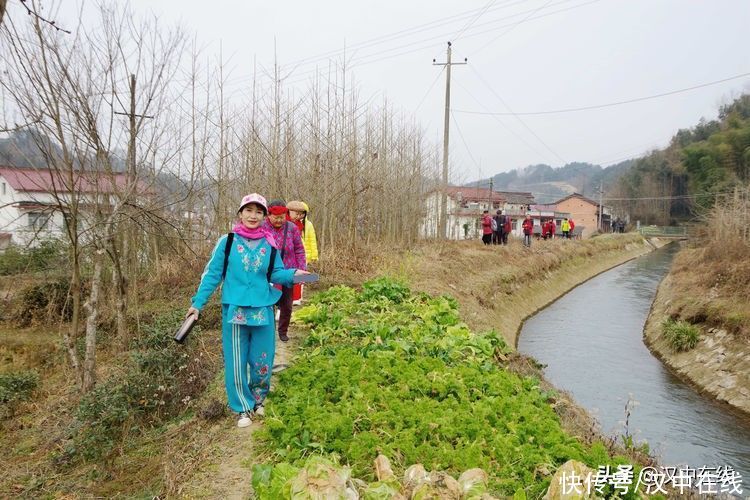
245, 283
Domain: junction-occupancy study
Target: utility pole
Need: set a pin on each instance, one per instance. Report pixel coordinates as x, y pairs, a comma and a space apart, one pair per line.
443, 220
133, 130
491, 193
122, 270
599, 217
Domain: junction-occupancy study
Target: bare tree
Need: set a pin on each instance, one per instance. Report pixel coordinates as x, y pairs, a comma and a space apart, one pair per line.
75, 87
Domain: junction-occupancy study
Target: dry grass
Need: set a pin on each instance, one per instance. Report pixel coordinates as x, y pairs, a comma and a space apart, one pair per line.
712, 287
498, 287
711, 280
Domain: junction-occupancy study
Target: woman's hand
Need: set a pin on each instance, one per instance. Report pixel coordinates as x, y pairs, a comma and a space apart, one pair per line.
195, 312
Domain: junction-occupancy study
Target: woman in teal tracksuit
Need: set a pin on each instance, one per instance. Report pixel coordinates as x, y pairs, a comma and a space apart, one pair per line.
247, 299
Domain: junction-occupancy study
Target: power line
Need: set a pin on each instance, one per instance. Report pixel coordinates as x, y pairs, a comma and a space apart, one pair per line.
607, 105
412, 30
677, 197
468, 25
404, 33
463, 139
518, 117
432, 86
366, 59
504, 125
514, 26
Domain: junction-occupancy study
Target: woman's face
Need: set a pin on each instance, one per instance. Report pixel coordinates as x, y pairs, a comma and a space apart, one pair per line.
295, 215
251, 216
277, 220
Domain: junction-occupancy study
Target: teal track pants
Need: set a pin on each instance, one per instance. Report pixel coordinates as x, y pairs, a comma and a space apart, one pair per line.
248, 359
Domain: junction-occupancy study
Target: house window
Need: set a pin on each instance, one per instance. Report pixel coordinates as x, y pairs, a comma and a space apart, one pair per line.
37, 220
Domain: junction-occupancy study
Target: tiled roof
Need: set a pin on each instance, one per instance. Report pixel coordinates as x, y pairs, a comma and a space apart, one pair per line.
517, 197
47, 181
470, 193
579, 196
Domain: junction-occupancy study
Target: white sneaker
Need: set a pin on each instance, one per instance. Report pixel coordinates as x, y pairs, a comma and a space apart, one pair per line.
296, 302
260, 411
244, 419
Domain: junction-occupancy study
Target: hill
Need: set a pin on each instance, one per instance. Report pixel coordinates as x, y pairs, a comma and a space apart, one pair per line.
549, 184
700, 165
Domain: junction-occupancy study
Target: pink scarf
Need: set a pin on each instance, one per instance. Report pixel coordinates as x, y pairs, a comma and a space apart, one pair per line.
254, 234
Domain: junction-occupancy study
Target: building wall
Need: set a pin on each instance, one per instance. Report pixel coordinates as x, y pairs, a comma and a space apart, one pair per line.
28, 226
582, 213
455, 223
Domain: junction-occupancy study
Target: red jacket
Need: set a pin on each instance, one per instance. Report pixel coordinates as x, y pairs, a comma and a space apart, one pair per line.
528, 226
487, 224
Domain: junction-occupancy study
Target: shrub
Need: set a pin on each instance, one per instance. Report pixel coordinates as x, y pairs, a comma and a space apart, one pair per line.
161, 381
14, 388
43, 303
49, 254
681, 335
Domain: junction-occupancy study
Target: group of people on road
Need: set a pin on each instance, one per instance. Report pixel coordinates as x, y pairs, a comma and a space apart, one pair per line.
495, 230
270, 244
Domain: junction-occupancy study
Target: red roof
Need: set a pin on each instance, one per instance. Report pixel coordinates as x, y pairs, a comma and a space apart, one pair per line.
580, 197
46, 181
474, 194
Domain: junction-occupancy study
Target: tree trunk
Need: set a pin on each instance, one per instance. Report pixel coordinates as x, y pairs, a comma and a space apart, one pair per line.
121, 302
92, 310
69, 336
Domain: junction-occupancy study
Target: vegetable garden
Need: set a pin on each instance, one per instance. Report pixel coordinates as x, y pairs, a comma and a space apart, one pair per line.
386, 371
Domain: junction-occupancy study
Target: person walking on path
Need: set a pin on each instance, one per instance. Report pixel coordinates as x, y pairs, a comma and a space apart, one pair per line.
497, 235
486, 228
565, 228
245, 260
298, 212
507, 226
528, 228
292, 251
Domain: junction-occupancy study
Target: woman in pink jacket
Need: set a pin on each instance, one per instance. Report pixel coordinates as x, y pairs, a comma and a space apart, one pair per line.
292, 251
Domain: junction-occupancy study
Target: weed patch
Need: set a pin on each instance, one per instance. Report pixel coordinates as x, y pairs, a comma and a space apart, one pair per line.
14, 388
681, 335
160, 382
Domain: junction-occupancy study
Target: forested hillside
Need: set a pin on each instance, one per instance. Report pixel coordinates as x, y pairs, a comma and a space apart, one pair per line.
700, 165
664, 187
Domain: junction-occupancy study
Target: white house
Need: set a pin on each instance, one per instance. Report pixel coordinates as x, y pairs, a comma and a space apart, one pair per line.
465, 207
33, 201
516, 202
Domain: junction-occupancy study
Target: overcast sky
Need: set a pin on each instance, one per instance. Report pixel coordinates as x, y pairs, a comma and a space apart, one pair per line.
523, 56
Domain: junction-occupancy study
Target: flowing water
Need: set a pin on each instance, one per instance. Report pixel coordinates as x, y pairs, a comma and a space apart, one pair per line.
592, 343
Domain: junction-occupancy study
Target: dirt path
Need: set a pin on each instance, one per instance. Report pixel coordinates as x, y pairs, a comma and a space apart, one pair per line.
227, 473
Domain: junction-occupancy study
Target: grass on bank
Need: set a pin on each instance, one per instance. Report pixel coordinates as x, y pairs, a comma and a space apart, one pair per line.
681, 335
